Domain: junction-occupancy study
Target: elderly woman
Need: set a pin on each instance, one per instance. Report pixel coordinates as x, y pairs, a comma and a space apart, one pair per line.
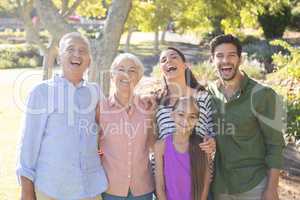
126, 134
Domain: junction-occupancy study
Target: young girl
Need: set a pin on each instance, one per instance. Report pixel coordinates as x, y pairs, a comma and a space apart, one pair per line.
182, 171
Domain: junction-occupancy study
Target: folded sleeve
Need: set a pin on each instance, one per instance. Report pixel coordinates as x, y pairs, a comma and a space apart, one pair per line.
271, 118
33, 128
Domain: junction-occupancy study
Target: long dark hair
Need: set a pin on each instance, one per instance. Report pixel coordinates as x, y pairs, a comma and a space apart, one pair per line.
163, 95
199, 165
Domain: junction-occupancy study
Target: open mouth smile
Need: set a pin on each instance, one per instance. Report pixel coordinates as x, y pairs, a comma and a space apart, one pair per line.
75, 63
171, 68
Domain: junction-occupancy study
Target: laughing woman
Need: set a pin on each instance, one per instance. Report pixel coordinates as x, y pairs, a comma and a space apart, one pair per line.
178, 80
126, 134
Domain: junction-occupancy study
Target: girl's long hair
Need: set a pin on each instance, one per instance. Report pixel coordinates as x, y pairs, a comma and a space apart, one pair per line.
199, 165
163, 95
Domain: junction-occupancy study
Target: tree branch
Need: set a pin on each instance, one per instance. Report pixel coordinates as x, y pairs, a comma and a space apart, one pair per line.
107, 45
32, 33
51, 19
64, 6
72, 8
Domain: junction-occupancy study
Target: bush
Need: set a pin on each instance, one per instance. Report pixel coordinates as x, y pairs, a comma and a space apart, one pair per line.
262, 51
275, 23
293, 117
291, 62
289, 77
19, 56
204, 72
295, 20
253, 68
249, 39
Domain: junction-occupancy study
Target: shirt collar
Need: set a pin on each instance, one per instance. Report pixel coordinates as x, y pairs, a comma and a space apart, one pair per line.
113, 101
61, 79
244, 82
240, 91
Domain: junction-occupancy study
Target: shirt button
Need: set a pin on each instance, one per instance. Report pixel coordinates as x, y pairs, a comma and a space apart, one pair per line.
129, 176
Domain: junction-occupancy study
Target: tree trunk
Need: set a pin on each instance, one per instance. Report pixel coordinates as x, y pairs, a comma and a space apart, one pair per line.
163, 36
51, 19
108, 43
55, 23
49, 59
156, 41
127, 44
217, 26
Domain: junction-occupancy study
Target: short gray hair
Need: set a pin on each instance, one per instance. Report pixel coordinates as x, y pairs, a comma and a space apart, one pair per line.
129, 56
74, 35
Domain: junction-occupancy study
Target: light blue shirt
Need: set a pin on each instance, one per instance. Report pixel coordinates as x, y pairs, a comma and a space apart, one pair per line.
58, 148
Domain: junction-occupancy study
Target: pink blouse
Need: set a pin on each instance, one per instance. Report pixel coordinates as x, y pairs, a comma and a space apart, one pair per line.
124, 142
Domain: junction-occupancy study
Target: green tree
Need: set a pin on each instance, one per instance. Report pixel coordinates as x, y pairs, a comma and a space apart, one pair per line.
53, 16
135, 18
7, 8
219, 16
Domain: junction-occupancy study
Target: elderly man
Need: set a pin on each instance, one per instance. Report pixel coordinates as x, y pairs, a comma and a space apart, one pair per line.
58, 151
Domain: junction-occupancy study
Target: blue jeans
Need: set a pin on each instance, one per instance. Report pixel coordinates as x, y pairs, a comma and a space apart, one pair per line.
148, 196
210, 196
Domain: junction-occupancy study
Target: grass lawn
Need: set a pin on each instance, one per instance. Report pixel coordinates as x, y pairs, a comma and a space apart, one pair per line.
14, 85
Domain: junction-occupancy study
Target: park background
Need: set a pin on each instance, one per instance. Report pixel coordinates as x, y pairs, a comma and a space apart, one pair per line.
30, 31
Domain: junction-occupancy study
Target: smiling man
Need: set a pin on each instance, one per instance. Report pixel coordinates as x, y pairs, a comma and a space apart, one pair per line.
58, 151
250, 140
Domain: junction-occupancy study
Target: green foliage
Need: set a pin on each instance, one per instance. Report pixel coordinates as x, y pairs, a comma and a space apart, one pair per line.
262, 51
287, 83
193, 16
293, 117
19, 56
274, 24
86, 8
290, 62
7, 8
150, 16
91, 8
295, 20
229, 16
143, 17
253, 68
204, 72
